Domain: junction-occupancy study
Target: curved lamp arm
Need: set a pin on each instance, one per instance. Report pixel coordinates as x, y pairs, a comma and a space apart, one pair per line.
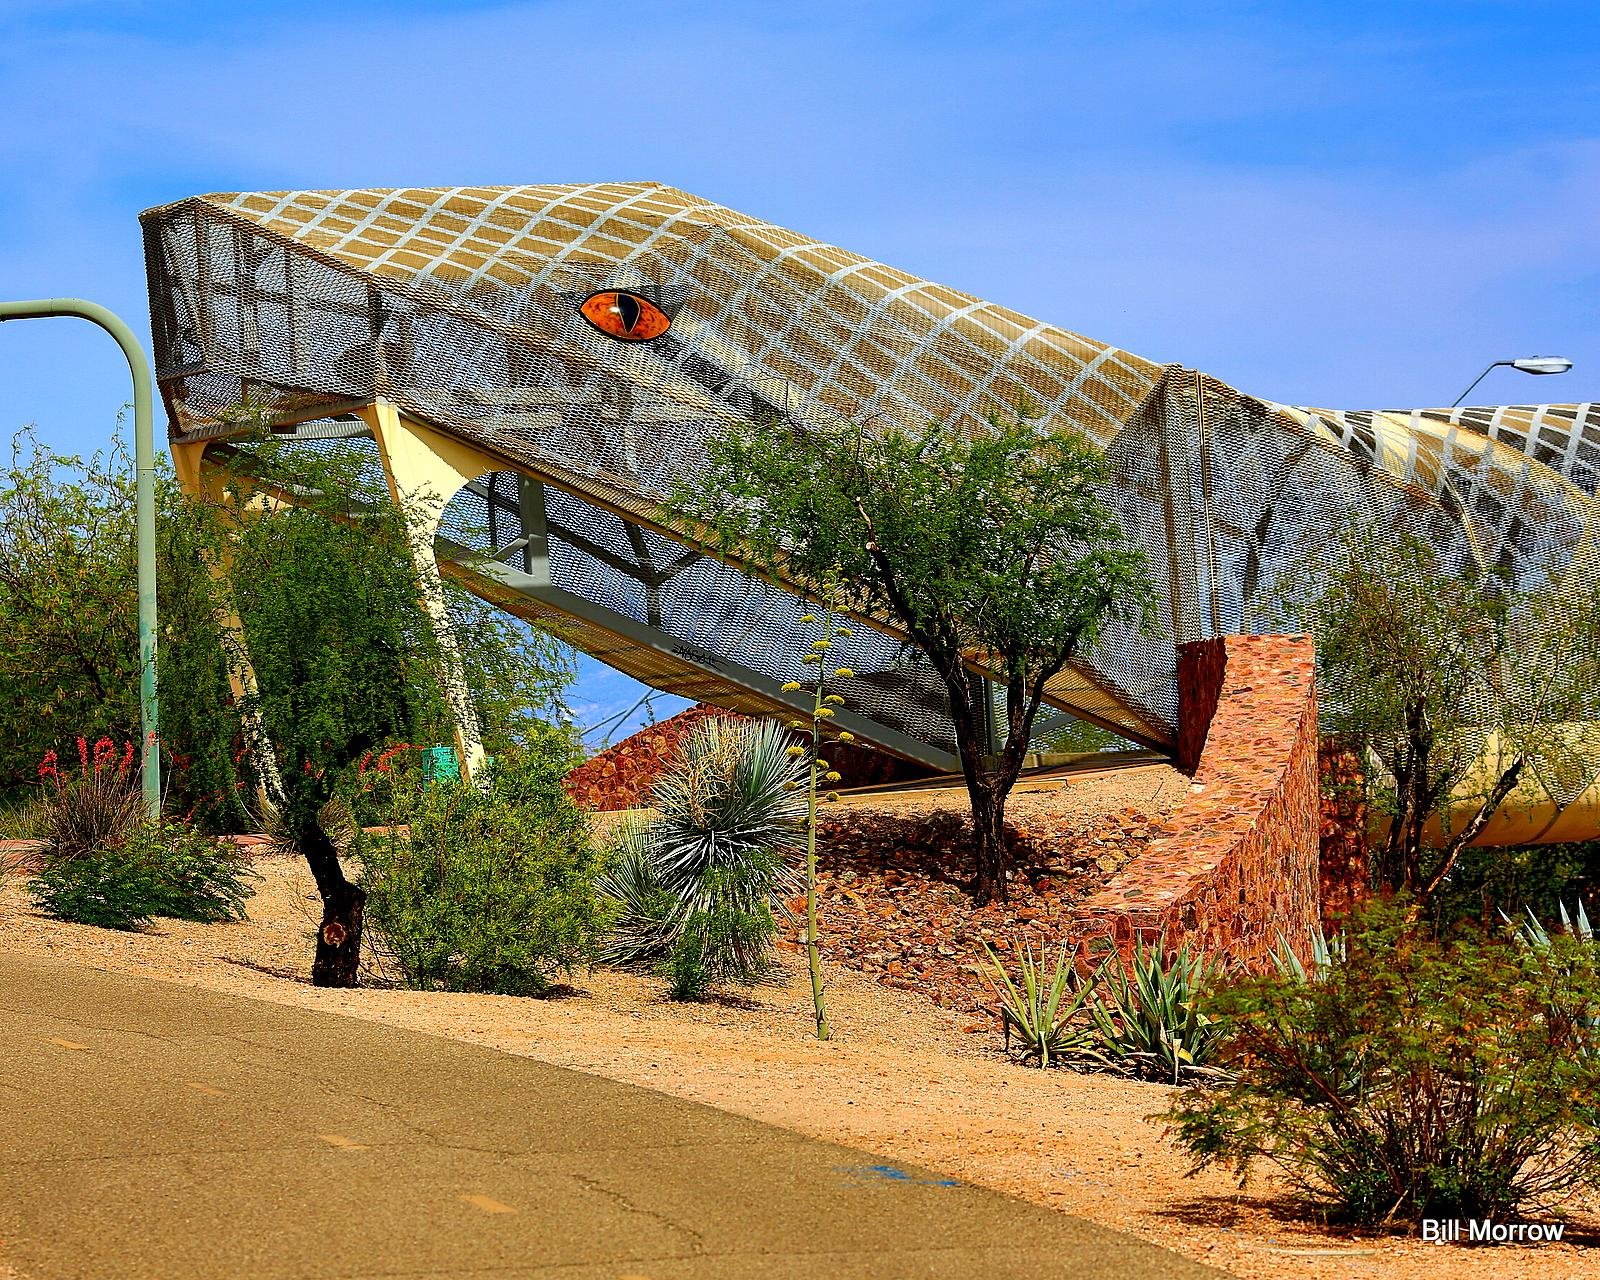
1477, 380
144, 456
1543, 365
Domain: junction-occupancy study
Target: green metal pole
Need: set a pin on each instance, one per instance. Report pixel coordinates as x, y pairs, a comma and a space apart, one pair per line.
144, 459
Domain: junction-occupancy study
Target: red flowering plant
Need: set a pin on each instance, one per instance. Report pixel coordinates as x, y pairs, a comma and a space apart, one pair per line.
106, 863
97, 806
382, 777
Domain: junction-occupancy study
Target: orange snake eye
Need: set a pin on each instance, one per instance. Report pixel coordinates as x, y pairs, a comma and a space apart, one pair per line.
619, 314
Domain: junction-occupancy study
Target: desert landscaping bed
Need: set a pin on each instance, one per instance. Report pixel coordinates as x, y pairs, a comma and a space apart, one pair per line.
904, 1077
894, 873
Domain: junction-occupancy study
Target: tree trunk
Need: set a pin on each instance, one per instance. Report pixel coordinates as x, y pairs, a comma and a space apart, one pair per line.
989, 845
985, 792
1504, 785
338, 958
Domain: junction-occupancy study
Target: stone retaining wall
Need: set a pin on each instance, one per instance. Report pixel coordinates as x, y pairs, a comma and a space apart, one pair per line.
1235, 867
620, 777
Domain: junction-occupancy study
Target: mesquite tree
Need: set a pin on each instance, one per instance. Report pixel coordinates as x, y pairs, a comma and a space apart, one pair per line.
1451, 686
346, 661
992, 549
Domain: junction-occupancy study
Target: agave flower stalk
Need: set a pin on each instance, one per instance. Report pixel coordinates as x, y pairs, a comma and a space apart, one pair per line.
820, 773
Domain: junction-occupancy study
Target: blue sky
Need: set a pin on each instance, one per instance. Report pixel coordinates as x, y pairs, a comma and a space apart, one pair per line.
1346, 204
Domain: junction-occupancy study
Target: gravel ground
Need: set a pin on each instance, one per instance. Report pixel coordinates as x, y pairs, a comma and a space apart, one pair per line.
903, 1077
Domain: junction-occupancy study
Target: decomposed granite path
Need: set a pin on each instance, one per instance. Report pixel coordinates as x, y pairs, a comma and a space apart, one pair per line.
151, 1130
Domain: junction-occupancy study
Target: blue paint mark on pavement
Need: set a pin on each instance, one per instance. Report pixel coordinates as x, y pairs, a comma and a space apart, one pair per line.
872, 1173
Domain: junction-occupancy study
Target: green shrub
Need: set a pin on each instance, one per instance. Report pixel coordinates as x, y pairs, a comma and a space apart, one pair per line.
1048, 1013
111, 888
196, 877
1491, 881
488, 890
166, 869
697, 887
1411, 1078
723, 945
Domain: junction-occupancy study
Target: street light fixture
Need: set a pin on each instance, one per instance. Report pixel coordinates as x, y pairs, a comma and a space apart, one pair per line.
144, 462
1529, 364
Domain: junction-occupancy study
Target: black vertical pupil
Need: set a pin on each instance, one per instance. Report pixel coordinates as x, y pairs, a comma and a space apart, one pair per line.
629, 309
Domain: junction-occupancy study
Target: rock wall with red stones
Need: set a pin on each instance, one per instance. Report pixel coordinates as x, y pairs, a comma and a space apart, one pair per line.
620, 777
1235, 867
1200, 672
1342, 868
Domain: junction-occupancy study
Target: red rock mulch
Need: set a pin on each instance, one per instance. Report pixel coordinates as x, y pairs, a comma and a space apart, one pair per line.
896, 903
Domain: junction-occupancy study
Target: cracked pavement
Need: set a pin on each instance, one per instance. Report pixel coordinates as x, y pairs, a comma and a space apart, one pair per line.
152, 1130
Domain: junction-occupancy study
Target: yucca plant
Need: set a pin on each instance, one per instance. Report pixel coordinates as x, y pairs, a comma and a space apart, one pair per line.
649, 917
697, 884
1148, 1015
1049, 1013
724, 807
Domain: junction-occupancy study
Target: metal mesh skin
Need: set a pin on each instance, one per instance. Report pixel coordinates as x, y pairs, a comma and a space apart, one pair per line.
463, 307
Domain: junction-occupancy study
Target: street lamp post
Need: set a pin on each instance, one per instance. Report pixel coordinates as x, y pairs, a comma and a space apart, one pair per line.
1530, 364
144, 460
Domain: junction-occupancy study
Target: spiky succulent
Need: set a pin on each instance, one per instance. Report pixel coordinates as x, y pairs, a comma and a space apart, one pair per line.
726, 829
1149, 1017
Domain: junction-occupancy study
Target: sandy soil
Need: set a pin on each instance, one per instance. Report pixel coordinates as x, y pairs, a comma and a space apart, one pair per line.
902, 1078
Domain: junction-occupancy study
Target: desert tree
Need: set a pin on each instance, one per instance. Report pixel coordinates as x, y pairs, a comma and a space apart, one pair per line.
1455, 686
69, 612
988, 551
345, 659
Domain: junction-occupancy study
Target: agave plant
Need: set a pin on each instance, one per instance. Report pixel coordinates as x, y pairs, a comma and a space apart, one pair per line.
717, 855
1324, 951
1048, 1012
1148, 1016
1533, 932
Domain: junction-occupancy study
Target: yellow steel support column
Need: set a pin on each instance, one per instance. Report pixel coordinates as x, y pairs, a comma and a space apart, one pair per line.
188, 462
424, 470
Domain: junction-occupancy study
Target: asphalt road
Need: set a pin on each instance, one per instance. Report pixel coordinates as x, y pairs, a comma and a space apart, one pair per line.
152, 1130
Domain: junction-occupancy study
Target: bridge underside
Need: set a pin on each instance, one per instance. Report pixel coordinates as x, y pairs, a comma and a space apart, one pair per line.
643, 604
